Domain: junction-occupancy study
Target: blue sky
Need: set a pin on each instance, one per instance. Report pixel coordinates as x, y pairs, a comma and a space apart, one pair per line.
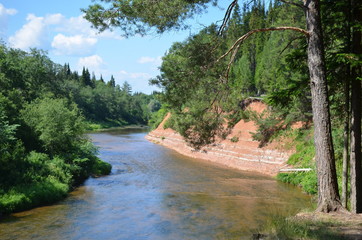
58, 27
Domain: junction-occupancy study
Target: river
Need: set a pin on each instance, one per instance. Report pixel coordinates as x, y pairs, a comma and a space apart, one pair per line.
155, 193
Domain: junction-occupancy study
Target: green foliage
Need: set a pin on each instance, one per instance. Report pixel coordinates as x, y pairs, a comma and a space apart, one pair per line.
268, 125
280, 227
58, 124
25, 196
303, 158
101, 168
234, 139
157, 117
306, 180
197, 88
139, 16
43, 150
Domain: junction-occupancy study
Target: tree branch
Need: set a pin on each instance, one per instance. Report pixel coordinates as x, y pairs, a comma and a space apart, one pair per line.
290, 43
235, 47
227, 17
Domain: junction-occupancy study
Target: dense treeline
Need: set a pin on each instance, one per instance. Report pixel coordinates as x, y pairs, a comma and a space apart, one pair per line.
45, 109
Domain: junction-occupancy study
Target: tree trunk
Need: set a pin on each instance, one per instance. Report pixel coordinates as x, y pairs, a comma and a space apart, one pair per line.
355, 161
345, 144
328, 197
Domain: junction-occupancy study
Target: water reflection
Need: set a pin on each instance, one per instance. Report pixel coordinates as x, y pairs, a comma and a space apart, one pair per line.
155, 193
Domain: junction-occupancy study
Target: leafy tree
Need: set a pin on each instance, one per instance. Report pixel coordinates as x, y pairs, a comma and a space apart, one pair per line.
58, 124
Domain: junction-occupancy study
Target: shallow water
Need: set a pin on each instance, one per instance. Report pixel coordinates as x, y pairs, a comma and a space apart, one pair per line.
156, 193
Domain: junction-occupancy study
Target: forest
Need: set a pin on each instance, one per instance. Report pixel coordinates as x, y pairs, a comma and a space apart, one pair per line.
303, 58
45, 111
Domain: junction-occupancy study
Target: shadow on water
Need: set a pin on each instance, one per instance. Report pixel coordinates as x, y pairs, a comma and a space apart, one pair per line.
156, 193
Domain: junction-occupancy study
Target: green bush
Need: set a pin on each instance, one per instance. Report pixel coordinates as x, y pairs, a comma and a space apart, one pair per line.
58, 125
157, 117
306, 180
234, 139
26, 196
302, 158
101, 168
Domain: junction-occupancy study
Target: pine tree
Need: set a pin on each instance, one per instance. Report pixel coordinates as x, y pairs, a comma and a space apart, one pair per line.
112, 82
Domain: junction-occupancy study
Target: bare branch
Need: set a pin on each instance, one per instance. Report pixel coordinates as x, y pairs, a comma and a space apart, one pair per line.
293, 3
227, 16
290, 43
235, 47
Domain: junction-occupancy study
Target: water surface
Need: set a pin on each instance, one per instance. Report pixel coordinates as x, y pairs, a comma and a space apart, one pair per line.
156, 193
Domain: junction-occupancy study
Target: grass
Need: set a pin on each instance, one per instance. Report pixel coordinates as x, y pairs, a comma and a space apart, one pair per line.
47, 181
22, 197
280, 227
302, 158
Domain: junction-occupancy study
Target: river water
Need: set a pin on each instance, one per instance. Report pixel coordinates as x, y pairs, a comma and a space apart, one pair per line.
156, 193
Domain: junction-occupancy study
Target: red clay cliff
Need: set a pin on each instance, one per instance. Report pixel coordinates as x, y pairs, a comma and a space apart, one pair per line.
245, 154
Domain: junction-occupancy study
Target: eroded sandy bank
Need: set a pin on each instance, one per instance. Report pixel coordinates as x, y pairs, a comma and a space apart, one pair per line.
245, 154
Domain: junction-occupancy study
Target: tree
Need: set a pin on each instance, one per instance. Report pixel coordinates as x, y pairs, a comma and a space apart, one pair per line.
112, 82
129, 14
355, 161
328, 197
86, 77
59, 125
126, 88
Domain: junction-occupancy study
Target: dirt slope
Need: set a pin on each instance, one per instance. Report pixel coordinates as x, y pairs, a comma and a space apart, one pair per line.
244, 154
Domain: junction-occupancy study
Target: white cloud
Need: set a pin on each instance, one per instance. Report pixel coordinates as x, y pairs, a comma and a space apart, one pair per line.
73, 45
6, 11
74, 36
93, 62
34, 33
156, 61
135, 75
78, 25
54, 19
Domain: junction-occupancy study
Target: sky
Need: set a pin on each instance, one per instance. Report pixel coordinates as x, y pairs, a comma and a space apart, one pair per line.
58, 27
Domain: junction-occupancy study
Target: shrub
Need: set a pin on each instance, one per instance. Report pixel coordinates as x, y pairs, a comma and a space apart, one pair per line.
234, 139
303, 158
101, 168
59, 125
26, 196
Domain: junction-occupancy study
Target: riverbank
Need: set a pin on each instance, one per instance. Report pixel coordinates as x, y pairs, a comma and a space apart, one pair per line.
238, 150
102, 127
313, 225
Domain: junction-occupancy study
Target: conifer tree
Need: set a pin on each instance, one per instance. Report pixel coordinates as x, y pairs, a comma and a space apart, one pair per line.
112, 82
